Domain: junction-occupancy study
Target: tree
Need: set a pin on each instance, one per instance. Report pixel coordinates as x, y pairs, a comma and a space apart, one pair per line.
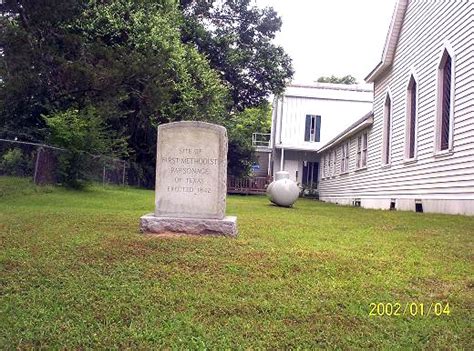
251, 120
85, 136
338, 80
164, 79
237, 39
26, 30
137, 64
125, 59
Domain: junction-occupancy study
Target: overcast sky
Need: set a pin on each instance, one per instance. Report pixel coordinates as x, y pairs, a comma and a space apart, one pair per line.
325, 37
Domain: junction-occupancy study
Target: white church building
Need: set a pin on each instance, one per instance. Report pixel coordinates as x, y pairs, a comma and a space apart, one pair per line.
415, 150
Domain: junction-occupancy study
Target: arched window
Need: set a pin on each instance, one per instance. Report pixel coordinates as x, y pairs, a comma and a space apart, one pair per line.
387, 126
412, 95
445, 102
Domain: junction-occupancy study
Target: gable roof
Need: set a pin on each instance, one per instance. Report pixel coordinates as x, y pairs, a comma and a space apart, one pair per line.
364, 122
391, 40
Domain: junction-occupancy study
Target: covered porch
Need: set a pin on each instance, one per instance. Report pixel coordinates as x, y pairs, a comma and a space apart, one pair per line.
301, 164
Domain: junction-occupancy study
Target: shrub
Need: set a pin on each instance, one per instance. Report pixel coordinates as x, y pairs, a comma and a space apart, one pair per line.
15, 163
84, 134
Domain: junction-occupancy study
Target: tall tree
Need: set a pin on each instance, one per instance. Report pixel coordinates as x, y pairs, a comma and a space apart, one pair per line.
164, 79
123, 58
136, 64
237, 39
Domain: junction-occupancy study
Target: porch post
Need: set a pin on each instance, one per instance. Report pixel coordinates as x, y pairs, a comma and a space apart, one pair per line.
282, 159
269, 171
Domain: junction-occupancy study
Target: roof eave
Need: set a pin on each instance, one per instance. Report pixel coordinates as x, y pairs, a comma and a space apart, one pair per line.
374, 73
391, 41
361, 124
378, 71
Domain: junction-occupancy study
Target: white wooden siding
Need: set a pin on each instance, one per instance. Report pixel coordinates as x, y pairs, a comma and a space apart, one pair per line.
338, 108
446, 183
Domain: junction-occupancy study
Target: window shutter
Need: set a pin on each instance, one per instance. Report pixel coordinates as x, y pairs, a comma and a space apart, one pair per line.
307, 128
318, 129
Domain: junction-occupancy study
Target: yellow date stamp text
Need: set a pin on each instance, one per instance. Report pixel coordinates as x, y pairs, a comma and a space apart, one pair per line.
413, 309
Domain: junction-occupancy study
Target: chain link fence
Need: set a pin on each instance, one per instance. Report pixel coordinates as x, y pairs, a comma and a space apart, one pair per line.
41, 163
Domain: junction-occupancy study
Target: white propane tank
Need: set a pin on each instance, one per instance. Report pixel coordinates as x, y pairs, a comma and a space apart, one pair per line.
283, 191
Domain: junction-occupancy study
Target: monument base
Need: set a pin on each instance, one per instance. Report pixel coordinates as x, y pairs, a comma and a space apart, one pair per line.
195, 226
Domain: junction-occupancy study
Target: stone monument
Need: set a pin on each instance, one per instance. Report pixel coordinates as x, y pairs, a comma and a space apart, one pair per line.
191, 181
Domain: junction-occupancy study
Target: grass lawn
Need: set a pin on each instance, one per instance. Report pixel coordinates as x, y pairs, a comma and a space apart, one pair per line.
76, 273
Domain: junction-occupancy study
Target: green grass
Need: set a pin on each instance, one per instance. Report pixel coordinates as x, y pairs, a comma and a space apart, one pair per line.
76, 273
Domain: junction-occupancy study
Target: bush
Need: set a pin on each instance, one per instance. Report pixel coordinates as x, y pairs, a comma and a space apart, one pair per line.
15, 163
84, 134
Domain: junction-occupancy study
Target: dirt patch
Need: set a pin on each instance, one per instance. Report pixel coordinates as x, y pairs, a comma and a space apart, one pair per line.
174, 235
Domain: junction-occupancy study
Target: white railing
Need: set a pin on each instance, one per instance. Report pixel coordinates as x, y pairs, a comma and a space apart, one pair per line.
261, 139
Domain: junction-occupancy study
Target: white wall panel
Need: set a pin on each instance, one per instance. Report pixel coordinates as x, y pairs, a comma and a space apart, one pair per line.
445, 184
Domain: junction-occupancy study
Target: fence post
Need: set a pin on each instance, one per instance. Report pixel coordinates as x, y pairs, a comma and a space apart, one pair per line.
38, 155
